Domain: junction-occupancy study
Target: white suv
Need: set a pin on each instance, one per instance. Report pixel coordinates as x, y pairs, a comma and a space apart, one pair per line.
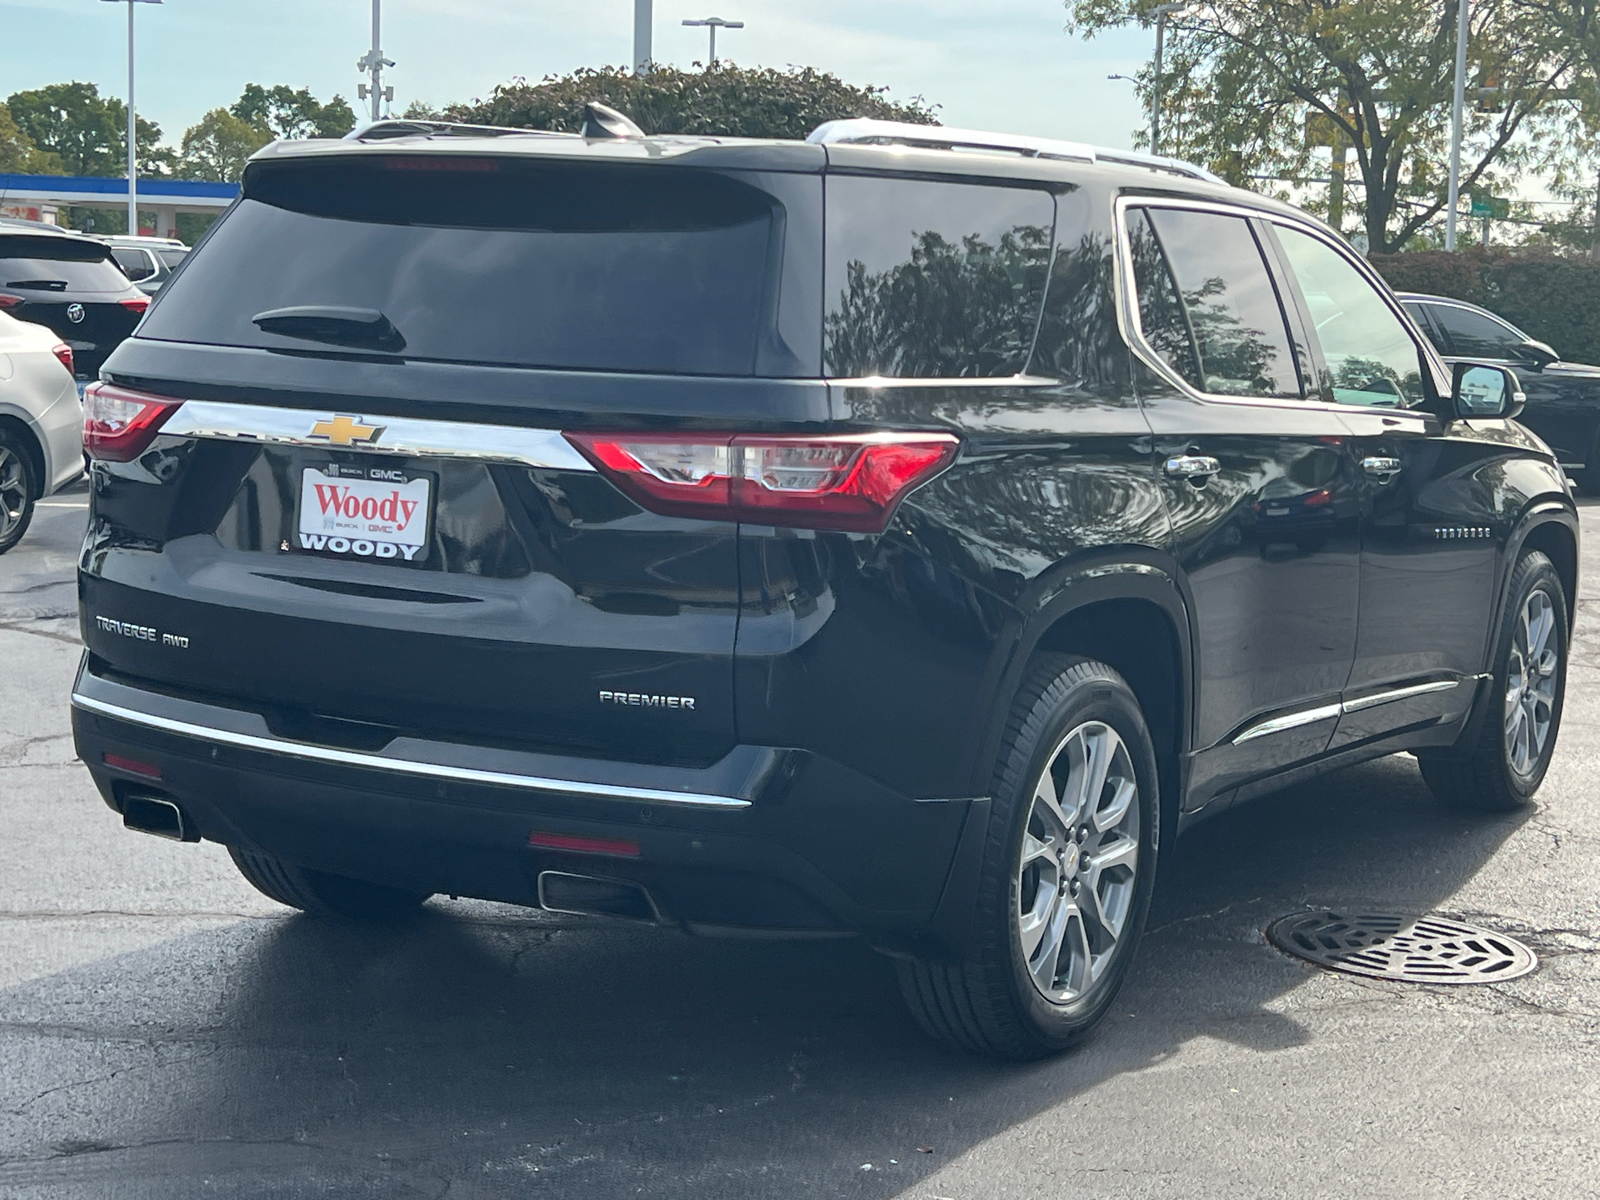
41, 422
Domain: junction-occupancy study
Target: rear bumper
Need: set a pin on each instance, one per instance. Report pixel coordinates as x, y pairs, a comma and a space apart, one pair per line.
766, 838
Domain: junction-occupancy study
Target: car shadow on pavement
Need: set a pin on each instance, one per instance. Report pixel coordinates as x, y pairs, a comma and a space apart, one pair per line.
483, 1051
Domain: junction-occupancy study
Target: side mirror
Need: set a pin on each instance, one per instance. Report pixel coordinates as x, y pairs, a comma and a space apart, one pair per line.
1484, 391
1539, 354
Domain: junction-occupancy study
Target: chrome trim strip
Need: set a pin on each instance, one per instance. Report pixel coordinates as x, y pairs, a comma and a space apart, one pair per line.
1416, 689
400, 435
351, 758
877, 382
1323, 712
1307, 716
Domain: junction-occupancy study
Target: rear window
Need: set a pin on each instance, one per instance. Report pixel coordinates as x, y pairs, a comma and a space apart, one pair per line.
515, 262
52, 264
933, 280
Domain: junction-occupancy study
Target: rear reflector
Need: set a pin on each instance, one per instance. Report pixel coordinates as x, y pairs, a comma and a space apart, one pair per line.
578, 844
132, 765
64, 352
846, 482
119, 424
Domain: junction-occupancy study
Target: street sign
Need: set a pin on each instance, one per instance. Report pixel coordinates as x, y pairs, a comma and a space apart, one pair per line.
1496, 207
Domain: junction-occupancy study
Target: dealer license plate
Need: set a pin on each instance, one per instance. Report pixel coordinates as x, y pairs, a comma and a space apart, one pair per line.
368, 512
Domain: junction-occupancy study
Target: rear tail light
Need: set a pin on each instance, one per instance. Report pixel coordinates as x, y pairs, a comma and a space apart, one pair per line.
846, 482
137, 303
7, 300
119, 424
64, 352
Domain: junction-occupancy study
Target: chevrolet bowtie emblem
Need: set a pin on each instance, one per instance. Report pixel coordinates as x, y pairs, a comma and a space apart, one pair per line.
346, 431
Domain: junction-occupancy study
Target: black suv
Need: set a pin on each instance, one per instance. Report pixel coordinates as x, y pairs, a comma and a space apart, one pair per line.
904, 533
71, 284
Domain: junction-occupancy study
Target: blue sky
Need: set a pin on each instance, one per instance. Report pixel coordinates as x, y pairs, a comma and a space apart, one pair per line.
998, 64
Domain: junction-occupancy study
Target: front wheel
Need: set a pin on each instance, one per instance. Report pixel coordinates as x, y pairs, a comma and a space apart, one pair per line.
1067, 873
1505, 765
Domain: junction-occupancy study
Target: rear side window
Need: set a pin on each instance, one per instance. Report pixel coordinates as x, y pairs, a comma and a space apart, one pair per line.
933, 280
517, 262
171, 257
1207, 305
135, 264
51, 264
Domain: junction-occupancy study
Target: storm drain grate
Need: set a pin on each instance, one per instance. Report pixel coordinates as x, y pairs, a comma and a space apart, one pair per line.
1409, 949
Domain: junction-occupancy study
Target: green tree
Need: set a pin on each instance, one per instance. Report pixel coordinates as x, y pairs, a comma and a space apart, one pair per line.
1244, 78
86, 131
722, 99
217, 146
19, 154
293, 114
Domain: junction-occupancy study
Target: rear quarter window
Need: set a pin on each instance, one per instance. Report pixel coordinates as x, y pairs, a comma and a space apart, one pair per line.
518, 262
933, 280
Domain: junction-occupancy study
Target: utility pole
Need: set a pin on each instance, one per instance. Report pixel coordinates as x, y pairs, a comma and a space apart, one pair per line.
643, 36
714, 24
373, 63
1160, 12
133, 151
1457, 116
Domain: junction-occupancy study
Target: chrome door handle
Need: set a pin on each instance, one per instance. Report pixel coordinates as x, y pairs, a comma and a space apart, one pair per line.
1380, 468
1196, 468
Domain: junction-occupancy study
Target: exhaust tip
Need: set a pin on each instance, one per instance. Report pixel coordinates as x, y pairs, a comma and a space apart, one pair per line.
158, 816
593, 896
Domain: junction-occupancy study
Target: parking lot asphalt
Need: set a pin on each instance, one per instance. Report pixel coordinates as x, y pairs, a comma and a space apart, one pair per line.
166, 1032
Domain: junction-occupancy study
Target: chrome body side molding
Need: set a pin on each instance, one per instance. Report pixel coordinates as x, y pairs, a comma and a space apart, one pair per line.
1324, 712
402, 766
395, 435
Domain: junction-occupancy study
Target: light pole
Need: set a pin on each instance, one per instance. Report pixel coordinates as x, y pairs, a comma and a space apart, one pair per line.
714, 24
133, 153
1457, 115
1160, 12
373, 62
643, 29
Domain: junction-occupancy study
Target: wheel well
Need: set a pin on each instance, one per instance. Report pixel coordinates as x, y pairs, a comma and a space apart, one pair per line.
1556, 542
31, 445
1139, 640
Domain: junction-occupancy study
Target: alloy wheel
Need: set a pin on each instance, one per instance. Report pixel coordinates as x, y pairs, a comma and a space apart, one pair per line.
1531, 680
1078, 862
13, 491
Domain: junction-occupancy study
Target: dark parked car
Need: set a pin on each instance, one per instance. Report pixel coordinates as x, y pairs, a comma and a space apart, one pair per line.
1563, 404
904, 533
71, 284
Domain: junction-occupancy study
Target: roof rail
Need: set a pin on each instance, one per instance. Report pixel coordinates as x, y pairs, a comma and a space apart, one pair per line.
865, 131
399, 128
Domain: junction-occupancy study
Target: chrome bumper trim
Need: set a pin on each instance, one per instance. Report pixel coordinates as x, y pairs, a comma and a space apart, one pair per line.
396, 435
379, 762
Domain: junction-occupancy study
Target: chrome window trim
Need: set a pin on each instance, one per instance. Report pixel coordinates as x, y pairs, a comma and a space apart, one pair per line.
1323, 712
1127, 302
401, 766
227, 421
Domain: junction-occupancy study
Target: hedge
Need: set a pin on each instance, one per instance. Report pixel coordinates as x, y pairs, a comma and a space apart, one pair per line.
1554, 298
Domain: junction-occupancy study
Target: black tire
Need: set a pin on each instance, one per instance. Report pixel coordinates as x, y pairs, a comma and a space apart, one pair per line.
323, 895
987, 1000
20, 487
1483, 774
